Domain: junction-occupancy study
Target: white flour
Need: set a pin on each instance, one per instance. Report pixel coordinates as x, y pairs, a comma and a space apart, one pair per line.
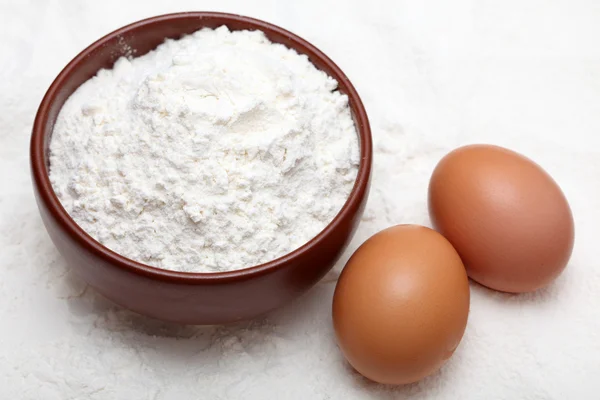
215, 152
433, 76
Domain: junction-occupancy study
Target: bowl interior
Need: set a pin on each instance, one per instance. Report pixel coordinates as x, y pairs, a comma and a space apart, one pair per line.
141, 37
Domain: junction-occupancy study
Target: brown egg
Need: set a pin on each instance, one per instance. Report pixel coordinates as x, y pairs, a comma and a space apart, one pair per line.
401, 304
506, 217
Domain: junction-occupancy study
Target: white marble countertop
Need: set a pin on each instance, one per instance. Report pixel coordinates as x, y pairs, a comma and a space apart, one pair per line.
433, 75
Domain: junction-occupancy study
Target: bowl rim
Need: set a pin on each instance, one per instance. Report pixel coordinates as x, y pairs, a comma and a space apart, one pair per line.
47, 195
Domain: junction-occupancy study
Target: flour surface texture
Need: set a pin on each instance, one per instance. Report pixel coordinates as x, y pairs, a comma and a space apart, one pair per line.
214, 152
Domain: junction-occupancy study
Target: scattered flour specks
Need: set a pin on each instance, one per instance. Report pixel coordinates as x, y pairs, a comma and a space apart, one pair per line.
432, 75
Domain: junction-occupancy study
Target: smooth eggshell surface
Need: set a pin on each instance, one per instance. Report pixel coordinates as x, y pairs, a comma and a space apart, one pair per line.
401, 304
506, 217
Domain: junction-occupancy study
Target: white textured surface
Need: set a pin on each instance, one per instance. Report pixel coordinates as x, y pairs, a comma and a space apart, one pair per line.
433, 75
215, 152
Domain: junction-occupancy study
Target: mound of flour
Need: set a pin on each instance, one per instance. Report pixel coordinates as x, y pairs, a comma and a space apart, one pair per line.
214, 152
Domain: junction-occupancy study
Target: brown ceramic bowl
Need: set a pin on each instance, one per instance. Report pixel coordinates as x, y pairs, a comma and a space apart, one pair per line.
196, 298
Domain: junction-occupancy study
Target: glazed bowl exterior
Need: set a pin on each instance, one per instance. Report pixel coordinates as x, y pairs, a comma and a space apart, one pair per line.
194, 298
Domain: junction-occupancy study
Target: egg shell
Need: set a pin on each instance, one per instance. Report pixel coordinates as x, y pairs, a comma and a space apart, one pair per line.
507, 218
401, 304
